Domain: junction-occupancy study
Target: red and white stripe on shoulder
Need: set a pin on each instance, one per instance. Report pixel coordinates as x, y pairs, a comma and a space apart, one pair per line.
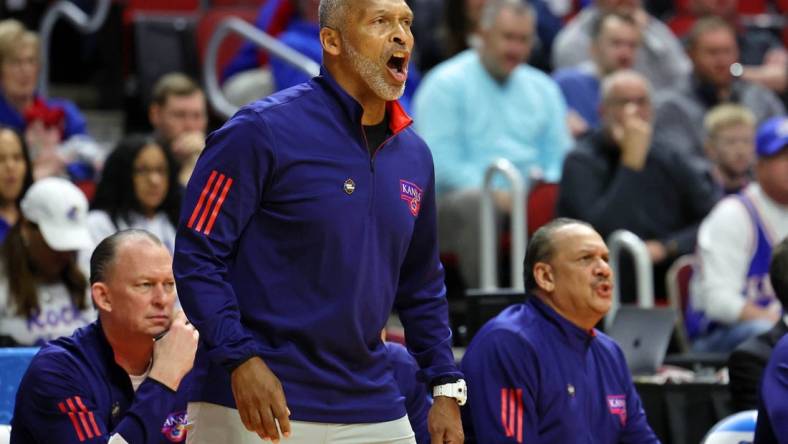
512, 412
210, 202
83, 420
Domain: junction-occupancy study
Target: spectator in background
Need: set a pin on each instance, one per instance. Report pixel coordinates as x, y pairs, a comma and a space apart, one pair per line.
731, 289
619, 177
43, 293
122, 376
483, 104
139, 189
730, 145
179, 116
760, 50
661, 57
748, 360
54, 129
615, 40
539, 372
15, 177
680, 110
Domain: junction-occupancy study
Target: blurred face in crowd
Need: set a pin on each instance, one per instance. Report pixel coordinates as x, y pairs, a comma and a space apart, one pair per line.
376, 44
48, 264
19, 72
624, 7
616, 46
139, 289
627, 92
507, 43
577, 280
772, 174
732, 149
712, 56
179, 115
151, 178
12, 167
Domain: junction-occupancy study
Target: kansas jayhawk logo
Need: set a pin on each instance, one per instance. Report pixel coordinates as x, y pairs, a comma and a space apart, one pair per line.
175, 427
618, 406
410, 193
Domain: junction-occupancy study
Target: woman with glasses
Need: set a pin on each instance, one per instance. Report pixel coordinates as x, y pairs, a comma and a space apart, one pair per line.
138, 189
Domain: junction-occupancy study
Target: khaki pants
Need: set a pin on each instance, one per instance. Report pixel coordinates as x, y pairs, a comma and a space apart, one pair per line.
214, 424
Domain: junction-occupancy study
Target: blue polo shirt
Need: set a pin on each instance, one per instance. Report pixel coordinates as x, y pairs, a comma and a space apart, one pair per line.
534, 377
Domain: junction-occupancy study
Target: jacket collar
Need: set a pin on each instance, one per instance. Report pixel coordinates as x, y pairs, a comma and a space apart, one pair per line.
577, 338
399, 120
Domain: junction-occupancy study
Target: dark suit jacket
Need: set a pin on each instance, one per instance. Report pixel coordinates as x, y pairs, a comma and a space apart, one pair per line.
747, 363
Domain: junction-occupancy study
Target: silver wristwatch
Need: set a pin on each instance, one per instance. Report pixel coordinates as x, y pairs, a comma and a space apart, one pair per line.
457, 390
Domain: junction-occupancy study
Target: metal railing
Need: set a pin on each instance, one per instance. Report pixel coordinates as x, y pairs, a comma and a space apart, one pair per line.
619, 241
216, 97
487, 227
81, 21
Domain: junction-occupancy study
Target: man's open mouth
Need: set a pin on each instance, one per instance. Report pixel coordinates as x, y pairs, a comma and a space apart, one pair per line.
398, 66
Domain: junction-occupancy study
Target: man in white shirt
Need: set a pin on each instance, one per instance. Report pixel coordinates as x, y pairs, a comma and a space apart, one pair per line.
731, 288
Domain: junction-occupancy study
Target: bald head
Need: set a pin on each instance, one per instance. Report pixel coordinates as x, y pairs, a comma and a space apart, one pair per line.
103, 258
624, 92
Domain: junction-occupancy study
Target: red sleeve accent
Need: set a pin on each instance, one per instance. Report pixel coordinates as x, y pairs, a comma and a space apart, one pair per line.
218, 206
91, 417
204, 193
74, 422
512, 413
209, 204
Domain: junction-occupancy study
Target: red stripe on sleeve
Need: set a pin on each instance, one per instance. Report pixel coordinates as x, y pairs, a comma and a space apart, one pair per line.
82, 418
512, 412
210, 202
204, 193
91, 417
520, 415
504, 398
74, 422
218, 206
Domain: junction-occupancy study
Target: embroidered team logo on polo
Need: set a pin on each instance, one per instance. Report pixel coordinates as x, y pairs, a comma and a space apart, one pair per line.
617, 404
349, 186
410, 193
175, 427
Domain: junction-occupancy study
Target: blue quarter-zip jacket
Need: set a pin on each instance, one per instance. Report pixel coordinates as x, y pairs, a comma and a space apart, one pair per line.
772, 426
294, 245
74, 392
534, 377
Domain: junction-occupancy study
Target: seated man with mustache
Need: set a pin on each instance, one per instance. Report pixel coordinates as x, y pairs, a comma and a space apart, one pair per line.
539, 371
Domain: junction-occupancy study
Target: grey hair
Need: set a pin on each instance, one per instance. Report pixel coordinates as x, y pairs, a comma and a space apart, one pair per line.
609, 82
494, 7
332, 13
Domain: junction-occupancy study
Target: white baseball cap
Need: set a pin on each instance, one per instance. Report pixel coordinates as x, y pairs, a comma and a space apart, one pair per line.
60, 210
